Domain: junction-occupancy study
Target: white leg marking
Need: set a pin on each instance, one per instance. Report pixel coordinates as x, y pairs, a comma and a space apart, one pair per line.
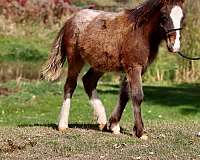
144, 137
64, 114
176, 16
115, 128
99, 110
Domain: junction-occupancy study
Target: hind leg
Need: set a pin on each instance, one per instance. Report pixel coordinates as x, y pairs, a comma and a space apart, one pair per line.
70, 85
90, 80
121, 104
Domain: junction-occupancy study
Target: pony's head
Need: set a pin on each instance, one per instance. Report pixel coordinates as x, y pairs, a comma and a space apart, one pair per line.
172, 16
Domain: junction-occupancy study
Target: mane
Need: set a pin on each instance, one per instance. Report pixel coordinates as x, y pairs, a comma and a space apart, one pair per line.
143, 12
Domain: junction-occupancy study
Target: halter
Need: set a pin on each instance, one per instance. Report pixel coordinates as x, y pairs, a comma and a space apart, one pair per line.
180, 53
172, 30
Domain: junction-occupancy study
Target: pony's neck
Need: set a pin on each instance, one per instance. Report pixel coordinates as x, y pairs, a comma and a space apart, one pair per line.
152, 26
153, 34
147, 17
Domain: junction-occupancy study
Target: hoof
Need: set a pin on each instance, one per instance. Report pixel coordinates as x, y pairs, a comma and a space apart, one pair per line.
115, 128
144, 137
102, 127
62, 129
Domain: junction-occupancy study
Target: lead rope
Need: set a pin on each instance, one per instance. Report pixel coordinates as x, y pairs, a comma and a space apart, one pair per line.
189, 58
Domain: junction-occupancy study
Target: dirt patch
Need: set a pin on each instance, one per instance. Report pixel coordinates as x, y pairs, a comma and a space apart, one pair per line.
11, 145
166, 141
5, 91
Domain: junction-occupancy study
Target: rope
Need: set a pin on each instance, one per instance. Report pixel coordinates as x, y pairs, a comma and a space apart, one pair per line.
189, 58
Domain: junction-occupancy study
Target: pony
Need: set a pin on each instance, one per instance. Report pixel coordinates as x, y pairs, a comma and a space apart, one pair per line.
127, 41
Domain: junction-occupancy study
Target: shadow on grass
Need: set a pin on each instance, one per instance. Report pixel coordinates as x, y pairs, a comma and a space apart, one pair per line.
76, 125
55, 126
177, 96
173, 96
50, 125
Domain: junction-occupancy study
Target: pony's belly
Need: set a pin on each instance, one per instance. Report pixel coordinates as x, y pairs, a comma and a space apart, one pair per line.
102, 61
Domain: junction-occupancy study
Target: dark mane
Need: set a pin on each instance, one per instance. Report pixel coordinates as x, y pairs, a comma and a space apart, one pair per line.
143, 12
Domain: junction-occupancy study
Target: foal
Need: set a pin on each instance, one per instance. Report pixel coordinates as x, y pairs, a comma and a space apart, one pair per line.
127, 41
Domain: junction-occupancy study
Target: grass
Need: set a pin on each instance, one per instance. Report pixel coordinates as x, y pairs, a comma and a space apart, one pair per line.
21, 54
29, 114
23, 49
39, 102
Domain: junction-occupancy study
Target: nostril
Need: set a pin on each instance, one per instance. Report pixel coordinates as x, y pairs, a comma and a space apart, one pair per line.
171, 46
172, 43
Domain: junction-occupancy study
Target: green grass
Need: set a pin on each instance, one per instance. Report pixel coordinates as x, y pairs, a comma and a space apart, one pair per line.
23, 49
22, 56
29, 115
39, 103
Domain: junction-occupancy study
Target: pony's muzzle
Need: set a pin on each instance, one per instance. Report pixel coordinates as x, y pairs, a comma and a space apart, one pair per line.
172, 48
172, 45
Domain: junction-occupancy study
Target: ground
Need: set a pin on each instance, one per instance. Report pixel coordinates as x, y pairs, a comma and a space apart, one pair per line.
29, 113
166, 141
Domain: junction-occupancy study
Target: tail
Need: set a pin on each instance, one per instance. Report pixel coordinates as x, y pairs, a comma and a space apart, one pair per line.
52, 69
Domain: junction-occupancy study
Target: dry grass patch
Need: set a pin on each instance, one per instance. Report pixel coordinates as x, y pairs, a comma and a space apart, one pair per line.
167, 141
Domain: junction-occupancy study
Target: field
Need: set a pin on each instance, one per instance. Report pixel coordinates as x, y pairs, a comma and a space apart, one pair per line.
29, 115
29, 106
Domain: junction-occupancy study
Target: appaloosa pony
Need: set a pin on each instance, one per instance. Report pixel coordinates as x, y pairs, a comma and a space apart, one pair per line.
127, 41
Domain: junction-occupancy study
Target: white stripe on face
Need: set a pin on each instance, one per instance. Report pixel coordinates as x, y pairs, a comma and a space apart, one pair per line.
176, 16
